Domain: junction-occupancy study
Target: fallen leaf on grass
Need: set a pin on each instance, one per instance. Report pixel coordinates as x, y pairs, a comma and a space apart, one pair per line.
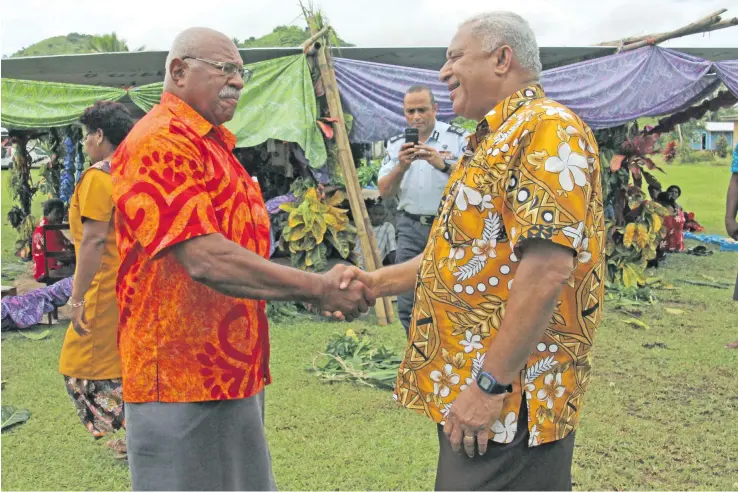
636, 322
12, 416
677, 312
36, 336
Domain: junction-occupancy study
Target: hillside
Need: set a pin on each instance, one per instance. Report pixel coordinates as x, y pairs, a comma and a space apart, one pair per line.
70, 44
283, 36
73, 43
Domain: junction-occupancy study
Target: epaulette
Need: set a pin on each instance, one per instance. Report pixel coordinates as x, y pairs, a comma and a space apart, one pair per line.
456, 130
396, 138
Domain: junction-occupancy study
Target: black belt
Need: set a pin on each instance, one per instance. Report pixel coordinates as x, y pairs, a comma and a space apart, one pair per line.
423, 219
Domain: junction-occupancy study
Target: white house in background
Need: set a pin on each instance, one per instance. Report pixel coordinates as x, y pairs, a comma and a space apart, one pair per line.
707, 137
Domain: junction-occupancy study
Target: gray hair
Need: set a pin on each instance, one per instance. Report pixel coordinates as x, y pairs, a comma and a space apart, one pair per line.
507, 28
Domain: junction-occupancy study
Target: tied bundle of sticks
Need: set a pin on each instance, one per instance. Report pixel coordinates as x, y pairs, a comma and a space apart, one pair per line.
712, 22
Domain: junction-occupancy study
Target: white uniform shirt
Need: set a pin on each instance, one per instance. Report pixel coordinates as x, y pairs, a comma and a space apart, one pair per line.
422, 185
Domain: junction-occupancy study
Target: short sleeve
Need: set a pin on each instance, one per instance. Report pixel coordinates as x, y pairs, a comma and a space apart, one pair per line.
160, 191
549, 185
734, 166
461, 145
388, 163
95, 196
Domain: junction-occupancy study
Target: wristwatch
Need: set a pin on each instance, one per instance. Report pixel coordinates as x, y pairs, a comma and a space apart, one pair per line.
446, 167
491, 386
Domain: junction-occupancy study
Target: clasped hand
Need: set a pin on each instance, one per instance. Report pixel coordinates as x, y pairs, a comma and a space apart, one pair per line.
347, 292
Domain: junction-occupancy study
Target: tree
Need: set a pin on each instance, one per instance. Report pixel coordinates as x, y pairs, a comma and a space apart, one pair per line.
721, 147
110, 43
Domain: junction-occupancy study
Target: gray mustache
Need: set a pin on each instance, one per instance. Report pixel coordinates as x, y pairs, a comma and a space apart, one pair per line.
229, 92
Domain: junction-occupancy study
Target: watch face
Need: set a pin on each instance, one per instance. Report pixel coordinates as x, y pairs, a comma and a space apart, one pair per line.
485, 384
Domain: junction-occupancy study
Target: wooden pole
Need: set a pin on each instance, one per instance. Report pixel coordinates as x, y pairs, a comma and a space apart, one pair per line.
346, 161
307, 44
634, 39
692, 28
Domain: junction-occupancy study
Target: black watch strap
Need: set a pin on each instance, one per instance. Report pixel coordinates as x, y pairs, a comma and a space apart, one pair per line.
491, 386
446, 167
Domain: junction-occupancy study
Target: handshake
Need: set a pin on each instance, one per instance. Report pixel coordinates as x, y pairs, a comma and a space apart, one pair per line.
346, 292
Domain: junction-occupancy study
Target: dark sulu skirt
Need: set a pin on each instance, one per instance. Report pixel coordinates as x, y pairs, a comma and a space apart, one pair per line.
99, 404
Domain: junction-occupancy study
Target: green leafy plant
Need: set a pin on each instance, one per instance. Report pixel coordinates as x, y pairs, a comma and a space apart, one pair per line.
634, 224
721, 147
368, 174
630, 247
359, 359
281, 312
312, 221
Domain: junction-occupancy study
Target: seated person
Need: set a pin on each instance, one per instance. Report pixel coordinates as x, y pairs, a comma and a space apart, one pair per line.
53, 211
674, 222
384, 232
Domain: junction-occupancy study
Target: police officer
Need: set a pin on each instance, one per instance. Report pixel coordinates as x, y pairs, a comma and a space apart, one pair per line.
417, 175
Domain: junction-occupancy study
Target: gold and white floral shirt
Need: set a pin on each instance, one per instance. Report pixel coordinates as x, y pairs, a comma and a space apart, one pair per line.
531, 171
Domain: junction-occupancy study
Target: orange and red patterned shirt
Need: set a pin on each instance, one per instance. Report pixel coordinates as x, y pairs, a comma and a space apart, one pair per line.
531, 172
175, 178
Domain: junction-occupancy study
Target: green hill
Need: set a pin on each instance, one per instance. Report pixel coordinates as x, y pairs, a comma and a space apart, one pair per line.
284, 37
74, 43
70, 44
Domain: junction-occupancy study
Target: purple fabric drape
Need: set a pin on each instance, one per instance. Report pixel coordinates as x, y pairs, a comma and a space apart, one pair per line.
728, 72
605, 92
373, 93
615, 89
28, 309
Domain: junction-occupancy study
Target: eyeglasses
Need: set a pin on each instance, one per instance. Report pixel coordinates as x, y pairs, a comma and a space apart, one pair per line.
227, 68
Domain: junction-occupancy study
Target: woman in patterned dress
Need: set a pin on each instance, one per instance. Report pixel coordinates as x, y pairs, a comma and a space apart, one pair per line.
89, 358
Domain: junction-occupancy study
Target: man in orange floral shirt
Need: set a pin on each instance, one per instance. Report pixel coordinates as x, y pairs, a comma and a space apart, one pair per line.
509, 289
193, 236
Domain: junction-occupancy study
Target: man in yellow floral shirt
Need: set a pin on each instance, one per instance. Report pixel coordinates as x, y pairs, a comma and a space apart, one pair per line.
509, 289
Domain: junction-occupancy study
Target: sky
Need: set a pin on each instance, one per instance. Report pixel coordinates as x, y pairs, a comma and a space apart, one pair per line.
374, 23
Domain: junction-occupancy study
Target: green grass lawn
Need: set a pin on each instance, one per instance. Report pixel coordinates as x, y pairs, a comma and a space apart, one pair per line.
654, 418
704, 187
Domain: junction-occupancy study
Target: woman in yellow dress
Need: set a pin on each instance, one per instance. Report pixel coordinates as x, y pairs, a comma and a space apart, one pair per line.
89, 358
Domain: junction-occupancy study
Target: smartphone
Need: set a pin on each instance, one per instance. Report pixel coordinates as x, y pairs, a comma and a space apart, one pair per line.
411, 135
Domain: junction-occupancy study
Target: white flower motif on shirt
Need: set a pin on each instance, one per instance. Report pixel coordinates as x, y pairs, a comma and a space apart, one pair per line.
533, 439
529, 389
585, 255
467, 196
552, 389
484, 249
467, 383
561, 112
505, 432
486, 202
568, 165
457, 253
472, 342
442, 381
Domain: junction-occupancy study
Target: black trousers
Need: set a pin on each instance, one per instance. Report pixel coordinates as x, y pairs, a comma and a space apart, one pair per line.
412, 237
513, 466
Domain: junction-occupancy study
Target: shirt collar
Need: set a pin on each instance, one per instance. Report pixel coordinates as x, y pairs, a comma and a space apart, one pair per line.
194, 120
495, 118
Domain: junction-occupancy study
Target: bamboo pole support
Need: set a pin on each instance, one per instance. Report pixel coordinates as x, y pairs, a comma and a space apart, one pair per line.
692, 28
346, 161
307, 44
634, 39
